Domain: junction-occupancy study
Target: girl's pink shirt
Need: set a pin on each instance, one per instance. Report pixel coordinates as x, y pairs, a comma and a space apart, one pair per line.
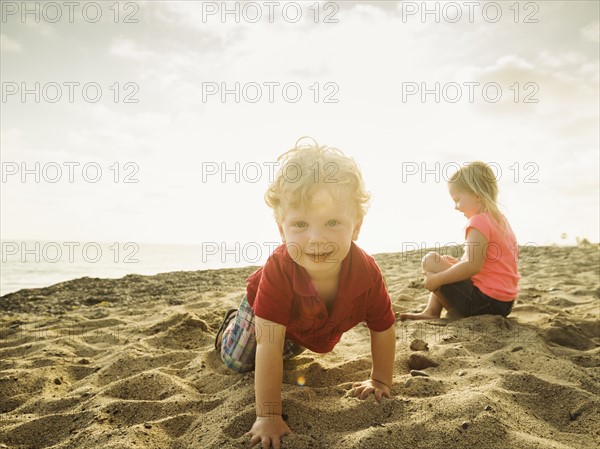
499, 277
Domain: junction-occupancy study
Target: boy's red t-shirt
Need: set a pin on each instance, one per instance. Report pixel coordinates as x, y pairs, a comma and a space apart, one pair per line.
281, 291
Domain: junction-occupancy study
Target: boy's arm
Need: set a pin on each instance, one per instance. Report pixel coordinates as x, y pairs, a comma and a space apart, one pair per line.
383, 352
269, 425
270, 338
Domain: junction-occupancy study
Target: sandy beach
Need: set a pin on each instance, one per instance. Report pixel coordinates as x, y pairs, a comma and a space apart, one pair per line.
129, 363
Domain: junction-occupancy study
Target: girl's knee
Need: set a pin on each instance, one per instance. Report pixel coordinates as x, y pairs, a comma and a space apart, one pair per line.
430, 259
434, 262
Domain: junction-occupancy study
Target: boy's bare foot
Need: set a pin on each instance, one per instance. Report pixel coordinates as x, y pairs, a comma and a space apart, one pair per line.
417, 316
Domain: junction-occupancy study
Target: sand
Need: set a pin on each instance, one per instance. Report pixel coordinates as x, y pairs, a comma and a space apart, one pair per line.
129, 363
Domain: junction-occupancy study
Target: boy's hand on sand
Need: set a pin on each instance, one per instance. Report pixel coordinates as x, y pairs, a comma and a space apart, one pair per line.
268, 430
431, 283
363, 389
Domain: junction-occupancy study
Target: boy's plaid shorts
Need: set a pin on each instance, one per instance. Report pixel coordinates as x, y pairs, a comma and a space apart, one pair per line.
238, 349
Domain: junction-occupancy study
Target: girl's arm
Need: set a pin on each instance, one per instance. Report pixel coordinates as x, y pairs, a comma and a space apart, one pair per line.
269, 425
470, 264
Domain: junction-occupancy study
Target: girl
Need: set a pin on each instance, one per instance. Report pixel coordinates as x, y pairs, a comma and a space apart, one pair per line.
485, 279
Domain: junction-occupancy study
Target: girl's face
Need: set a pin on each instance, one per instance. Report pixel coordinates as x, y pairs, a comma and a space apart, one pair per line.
466, 202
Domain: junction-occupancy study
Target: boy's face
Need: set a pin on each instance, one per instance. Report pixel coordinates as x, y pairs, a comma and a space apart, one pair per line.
318, 236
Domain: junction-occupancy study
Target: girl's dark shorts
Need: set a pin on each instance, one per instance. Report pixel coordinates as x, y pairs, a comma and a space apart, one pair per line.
468, 300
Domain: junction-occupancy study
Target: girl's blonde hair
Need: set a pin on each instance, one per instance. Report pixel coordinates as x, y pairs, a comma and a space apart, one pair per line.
308, 166
478, 178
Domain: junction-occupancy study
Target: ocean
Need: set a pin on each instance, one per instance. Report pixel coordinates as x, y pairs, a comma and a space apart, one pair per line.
29, 264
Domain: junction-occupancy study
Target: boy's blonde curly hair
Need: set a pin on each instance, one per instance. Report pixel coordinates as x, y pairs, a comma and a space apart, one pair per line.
309, 165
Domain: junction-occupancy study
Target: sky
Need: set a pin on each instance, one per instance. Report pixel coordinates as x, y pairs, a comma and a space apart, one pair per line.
159, 122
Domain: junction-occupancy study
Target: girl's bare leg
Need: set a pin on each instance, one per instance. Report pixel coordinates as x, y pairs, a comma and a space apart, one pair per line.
435, 263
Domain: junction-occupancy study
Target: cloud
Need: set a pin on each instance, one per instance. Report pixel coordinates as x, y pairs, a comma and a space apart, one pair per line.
11, 141
128, 49
41, 27
554, 85
369, 54
9, 45
592, 32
